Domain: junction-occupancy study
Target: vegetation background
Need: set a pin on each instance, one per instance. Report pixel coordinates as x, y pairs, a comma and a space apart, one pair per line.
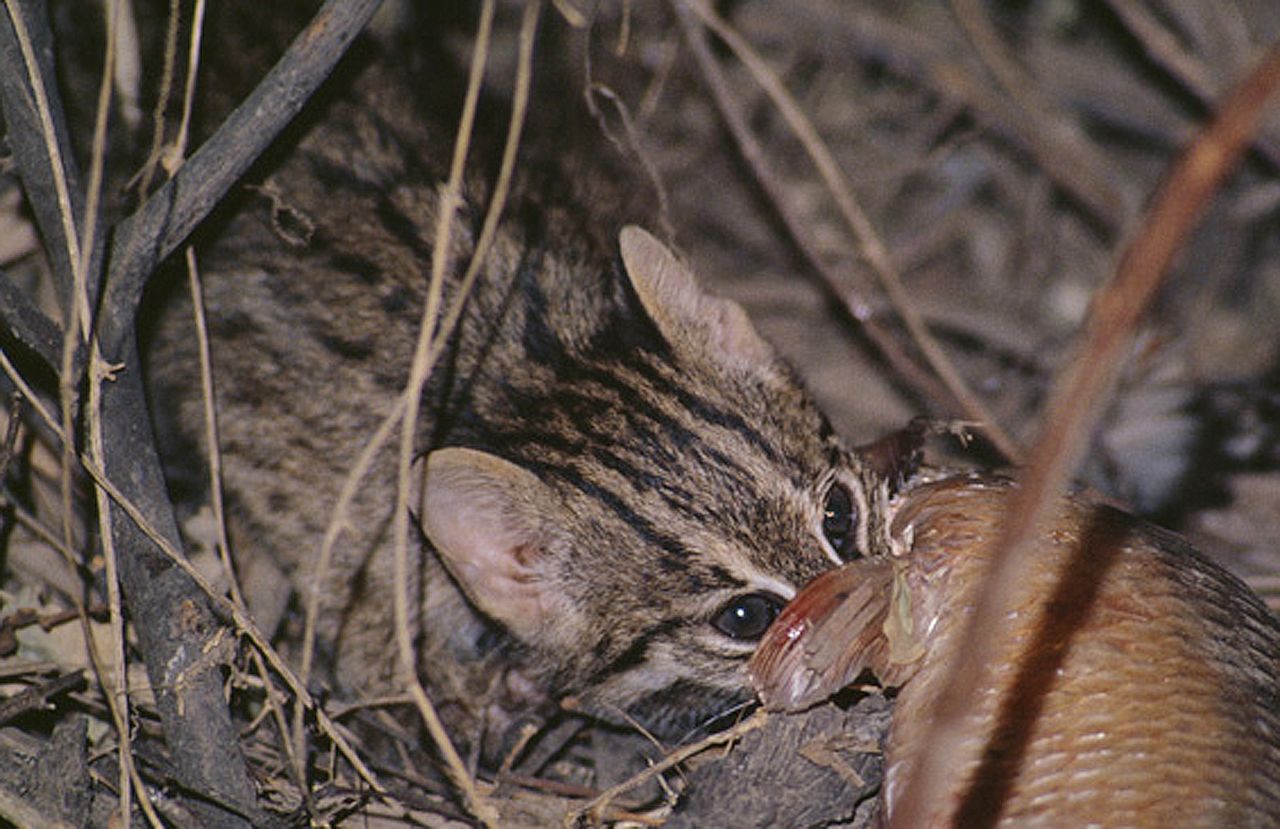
988, 161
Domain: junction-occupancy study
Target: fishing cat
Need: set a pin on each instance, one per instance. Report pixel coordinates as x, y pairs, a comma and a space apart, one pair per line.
623, 482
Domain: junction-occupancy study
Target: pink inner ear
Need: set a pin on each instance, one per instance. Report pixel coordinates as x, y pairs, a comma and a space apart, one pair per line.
736, 335
481, 520
672, 298
525, 555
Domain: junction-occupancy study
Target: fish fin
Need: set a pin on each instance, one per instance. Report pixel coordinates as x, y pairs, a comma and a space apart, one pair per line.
830, 633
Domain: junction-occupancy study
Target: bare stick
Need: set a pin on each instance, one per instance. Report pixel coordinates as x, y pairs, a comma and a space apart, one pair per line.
1074, 408
593, 809
440, 264
753, 154
872, 249
116, 693
169, 67
161, 224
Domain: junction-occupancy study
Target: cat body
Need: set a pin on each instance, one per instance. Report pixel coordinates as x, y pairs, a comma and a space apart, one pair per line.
621, 482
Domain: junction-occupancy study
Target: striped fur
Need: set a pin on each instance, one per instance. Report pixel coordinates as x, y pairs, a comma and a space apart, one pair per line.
638, 457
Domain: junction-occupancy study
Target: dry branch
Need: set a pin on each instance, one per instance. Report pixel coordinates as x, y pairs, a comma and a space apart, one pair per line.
174, 621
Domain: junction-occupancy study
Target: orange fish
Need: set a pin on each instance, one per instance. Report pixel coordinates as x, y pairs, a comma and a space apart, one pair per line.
1139, 684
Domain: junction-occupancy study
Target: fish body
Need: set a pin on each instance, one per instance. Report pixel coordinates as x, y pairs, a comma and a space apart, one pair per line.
1137, 683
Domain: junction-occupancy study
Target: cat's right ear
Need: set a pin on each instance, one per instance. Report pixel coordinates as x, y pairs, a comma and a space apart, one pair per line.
493, 524
683, 312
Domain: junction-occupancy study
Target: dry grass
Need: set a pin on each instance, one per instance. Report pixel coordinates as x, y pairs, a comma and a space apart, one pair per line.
924, 186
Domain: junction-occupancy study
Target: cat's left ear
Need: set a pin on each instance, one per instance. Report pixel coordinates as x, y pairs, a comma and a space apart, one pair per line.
681, 310
493, 524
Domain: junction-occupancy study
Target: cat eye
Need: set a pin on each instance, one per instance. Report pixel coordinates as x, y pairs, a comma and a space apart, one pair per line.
747, 616
839, 521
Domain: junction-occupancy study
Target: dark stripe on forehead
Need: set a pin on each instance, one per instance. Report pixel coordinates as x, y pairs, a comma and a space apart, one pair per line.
672, 444
615, 503
680, 501
593, 392
644, 480
663, 449
652, 467
707, 411
629, 388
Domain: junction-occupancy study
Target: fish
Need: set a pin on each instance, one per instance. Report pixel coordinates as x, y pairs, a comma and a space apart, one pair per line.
1138, 683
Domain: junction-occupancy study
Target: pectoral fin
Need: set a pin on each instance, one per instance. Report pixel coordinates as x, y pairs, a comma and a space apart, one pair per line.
836, 628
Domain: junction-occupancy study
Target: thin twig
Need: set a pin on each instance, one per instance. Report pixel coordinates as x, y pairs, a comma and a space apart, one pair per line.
114, 693
1073, 410
118, 697
169, 66
593, 809
79, 321
273, 707
202, 335
872, 249
444, 331
1185, 68
189, 86
166, 219
450, 199
202, 348
128, 66
97, 167
378, 440
753, 154
57, 171
497, 202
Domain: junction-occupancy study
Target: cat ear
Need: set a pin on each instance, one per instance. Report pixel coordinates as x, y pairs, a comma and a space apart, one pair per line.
681, 310
488, 519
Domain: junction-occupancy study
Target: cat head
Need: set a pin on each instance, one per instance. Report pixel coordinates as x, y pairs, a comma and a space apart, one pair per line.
674, 498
